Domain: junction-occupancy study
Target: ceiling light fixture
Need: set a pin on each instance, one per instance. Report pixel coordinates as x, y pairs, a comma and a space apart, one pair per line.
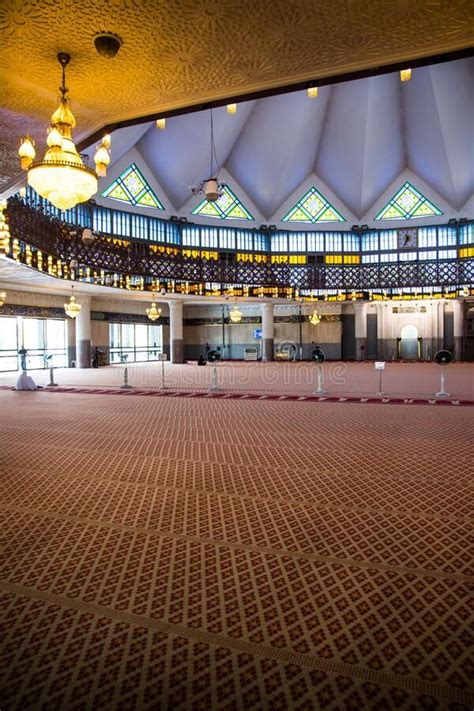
405, 74
312, 92
153, 313
315, 318
231, 108
212, 187
72, 308
61, 177
161, 123
235, 314
3, 297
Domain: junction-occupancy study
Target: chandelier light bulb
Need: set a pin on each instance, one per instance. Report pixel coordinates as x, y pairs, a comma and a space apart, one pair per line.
3, 297
102, 157
54, 140
26, 152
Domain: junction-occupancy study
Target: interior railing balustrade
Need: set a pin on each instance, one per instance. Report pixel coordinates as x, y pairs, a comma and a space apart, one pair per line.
53, 244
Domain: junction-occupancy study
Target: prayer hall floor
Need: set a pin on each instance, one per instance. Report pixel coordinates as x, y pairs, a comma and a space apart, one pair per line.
193, 553
341, 378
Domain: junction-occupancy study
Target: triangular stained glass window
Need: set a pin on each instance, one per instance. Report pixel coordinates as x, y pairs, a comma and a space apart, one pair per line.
313, 207
132, 187
406, 204
227, 207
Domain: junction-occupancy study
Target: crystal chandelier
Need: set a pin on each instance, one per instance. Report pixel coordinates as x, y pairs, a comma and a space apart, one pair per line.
315, 318
153, 313
72, 308
235, 314
3, 297
61, 177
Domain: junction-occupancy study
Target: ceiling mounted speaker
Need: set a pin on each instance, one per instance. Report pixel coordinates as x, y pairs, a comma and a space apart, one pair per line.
107, 44
211, 190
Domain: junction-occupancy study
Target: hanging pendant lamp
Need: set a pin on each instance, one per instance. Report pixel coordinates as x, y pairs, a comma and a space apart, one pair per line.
61, 177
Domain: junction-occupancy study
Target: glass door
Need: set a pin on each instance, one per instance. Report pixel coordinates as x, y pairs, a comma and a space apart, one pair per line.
8, 344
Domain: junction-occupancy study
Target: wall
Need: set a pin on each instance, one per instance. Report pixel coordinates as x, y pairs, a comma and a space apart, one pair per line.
203, 324
426, 316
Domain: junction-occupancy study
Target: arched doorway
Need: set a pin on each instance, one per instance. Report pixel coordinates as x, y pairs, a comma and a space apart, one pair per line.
409, 343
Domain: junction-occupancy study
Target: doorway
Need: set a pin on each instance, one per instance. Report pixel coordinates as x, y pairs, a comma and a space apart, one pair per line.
409, 343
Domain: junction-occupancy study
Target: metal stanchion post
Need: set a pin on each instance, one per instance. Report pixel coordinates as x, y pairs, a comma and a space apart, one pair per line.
380, 366
162, 357
442, 392
51, 383
214, 384
125, 385
320, 384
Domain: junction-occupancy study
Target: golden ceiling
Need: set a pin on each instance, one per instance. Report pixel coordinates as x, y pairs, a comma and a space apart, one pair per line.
181, 52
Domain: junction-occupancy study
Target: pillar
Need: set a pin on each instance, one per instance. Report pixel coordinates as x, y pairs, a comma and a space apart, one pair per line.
176, 331
83, 333
267, 331
360, 309
458, 328
437, 326
71, 341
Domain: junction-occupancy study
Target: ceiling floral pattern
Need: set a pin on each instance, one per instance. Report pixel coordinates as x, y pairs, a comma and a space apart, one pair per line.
181, 52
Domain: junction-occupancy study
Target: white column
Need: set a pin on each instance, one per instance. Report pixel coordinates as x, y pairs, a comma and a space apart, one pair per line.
267, 331
71, 341
83, 332
379, 308
458, 328
438, 325
361, 330
176, 331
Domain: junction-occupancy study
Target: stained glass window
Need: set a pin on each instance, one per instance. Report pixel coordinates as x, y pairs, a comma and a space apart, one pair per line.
132, 187
227, 207
408, 202
313, 207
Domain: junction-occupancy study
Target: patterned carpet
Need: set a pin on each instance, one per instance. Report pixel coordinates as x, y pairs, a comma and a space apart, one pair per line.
193, 553
341, 379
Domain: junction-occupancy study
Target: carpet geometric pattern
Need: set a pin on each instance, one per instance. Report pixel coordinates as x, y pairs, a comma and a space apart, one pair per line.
354, 380
193, 553
253, 396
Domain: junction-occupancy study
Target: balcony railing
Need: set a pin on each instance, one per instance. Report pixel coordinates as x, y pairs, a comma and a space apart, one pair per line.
52, 245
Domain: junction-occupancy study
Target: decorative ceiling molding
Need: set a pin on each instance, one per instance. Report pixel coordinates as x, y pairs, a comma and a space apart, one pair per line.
181, 54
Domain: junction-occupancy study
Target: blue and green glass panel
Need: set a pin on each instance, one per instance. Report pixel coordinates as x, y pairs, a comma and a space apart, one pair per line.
406, 204
313, 207
227, 207
132, 188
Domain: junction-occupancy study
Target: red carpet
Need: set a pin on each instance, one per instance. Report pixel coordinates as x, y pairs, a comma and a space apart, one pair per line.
209, 553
